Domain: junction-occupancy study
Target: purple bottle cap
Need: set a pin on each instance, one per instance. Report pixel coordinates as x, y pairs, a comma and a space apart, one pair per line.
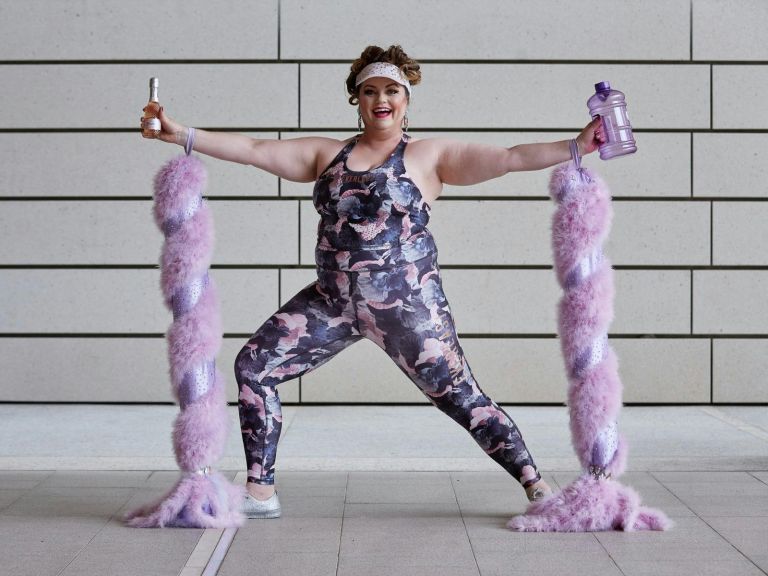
602, 86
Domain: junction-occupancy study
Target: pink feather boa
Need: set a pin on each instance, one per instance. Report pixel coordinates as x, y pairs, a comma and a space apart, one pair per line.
596, 500
201, 498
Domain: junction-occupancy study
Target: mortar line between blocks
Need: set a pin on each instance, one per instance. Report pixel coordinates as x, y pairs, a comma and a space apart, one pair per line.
298, 250
711, 370
711, 97
690, 30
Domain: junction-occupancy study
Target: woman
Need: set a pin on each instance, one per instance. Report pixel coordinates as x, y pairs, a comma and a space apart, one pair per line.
377, 271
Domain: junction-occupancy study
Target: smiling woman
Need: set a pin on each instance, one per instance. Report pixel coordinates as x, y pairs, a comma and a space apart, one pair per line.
390, 72
377, 270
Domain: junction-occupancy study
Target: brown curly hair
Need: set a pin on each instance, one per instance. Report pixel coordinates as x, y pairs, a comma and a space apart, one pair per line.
394, 55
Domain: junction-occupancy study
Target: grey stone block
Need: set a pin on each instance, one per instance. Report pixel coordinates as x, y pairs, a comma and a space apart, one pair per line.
94, 164
502, 301
114, 30
740, 236
729, 301
99, 232
203, 95
730, 165
361, 373
742, 108
101, 370
725, 30
121, 301
439, 30
664, 370
500, 99
740, 368
659, 234
652, 302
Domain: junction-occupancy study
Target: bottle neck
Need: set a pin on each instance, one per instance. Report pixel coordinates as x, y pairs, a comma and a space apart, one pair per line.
153, 94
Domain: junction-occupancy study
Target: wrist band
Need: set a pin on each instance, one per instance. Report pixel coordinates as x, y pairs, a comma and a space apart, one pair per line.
190, 141
575, 156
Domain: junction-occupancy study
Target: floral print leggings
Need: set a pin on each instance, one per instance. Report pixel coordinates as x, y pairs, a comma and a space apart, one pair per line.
405, 312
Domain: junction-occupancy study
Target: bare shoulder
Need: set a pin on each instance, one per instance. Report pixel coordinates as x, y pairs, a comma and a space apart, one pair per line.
421, 158
327, 149
425, 151
433, 148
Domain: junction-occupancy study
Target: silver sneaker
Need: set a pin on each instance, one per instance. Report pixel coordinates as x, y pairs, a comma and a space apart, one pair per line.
254, 508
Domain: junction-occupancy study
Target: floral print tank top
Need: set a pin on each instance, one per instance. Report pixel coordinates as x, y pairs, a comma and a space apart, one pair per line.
370, 220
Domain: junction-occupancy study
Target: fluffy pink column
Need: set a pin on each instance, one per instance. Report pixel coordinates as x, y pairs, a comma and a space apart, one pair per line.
596, 500
202, 498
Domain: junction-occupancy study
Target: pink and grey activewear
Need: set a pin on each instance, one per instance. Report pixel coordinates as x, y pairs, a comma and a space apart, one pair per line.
377, 278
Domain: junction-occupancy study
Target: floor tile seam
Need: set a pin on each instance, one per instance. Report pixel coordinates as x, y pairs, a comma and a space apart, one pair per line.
38, 483
23, 492
751, 473
731, 544
92, 538
615, 563
675, 496
50, 474
737, 423
186, 569
341, 528
464, 523
219, 552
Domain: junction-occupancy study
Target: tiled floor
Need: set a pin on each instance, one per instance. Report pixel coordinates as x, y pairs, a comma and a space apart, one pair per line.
379, 498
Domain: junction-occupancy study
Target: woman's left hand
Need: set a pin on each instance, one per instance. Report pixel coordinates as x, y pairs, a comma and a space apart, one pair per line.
591, 137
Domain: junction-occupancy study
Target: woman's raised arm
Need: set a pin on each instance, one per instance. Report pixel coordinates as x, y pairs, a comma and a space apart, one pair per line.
464, 163
295, 159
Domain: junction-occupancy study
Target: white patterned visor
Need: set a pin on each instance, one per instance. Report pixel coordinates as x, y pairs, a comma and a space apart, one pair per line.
383, 70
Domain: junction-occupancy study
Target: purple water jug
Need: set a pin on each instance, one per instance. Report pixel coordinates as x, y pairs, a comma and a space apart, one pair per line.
611, 107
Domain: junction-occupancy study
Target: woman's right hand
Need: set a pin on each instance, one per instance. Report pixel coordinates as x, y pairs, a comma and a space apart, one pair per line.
170, 130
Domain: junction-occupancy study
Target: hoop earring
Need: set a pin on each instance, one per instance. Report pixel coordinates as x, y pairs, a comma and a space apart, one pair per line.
405, 122
359, 120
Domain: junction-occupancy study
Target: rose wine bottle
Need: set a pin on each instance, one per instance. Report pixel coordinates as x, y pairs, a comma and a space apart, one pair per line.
151, 125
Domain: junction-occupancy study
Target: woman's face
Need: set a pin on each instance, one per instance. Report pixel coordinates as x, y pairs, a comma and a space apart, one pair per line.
383, 103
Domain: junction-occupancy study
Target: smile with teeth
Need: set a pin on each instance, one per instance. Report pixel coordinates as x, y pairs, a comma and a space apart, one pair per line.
381, 112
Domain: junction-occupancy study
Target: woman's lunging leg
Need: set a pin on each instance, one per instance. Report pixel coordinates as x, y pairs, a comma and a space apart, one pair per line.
303, 334
420, 336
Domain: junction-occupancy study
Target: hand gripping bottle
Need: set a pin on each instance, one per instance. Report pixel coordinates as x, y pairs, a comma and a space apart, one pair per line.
611, 107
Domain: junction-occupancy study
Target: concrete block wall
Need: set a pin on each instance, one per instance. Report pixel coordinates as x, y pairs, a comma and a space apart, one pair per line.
81, 318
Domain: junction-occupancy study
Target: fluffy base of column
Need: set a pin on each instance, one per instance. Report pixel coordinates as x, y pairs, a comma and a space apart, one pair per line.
590, 505
196, 501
